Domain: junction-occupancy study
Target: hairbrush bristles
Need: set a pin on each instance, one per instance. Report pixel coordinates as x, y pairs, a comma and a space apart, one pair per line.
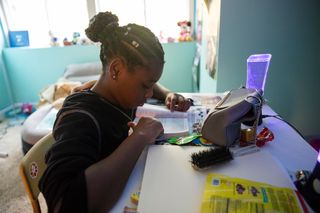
206, 158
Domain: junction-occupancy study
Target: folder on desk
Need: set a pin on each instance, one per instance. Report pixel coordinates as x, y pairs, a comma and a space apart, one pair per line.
170, 184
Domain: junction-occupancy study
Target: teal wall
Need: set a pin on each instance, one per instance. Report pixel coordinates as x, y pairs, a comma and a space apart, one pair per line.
4, 93
207, 83
178, 66
210, 28
31, 70
289, 30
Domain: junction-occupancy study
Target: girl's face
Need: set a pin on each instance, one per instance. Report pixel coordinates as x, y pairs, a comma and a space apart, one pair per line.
135, 86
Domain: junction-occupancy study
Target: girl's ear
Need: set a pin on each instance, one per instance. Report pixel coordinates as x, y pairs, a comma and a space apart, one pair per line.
117, 66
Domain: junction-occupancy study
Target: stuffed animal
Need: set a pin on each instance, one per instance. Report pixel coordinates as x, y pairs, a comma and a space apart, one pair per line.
75, 38
66, 42
185, 32
53, 40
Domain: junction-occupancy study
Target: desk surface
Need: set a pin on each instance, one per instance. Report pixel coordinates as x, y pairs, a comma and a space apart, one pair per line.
170, 184
288, 148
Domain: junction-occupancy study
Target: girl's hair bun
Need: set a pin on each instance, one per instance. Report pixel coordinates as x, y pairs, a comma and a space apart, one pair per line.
101, 26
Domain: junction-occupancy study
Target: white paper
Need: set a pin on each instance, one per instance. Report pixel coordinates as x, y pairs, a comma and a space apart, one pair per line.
158, 112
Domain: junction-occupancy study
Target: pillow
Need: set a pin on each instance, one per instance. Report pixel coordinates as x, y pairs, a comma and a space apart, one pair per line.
83, 71
83, 79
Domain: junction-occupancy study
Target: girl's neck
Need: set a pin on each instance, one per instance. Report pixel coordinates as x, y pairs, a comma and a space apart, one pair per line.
103, 89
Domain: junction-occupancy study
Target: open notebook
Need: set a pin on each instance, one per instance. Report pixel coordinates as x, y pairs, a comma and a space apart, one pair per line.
175, 124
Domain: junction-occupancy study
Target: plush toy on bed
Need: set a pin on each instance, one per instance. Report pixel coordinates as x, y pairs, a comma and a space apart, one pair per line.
185, 31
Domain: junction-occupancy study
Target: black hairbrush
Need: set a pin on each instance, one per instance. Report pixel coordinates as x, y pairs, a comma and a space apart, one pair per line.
206, 158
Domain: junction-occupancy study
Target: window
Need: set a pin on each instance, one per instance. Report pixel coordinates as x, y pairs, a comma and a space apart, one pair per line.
39, 17
64, 17
20, 17
67, 16
128, 11
161, 17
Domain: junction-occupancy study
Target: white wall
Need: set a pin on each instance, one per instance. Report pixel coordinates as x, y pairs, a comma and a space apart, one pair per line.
290, 31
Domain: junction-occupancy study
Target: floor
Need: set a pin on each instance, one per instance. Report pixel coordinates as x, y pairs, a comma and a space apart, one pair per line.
13, 198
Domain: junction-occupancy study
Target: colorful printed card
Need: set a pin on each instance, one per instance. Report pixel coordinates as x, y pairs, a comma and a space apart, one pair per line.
236, 195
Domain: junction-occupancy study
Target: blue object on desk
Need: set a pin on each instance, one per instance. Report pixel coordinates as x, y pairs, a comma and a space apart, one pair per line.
18, 38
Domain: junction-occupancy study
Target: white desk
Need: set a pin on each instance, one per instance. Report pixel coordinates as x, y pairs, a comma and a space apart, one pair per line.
288, 148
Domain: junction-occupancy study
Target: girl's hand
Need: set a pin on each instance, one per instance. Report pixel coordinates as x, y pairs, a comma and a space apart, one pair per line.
147, 127
85, 86
176, 102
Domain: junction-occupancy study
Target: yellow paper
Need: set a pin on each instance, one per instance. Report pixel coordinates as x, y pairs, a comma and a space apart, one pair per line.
236, 195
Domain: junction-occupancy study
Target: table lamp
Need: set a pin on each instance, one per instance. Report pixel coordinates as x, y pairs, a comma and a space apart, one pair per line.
309, 185
257, 69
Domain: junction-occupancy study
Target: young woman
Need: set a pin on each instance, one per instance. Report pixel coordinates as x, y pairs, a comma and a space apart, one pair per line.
93, 156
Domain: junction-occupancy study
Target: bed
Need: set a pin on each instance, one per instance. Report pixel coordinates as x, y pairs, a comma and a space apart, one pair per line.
40, 122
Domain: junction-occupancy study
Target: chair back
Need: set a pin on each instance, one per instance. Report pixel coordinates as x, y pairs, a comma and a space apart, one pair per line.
32, 167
